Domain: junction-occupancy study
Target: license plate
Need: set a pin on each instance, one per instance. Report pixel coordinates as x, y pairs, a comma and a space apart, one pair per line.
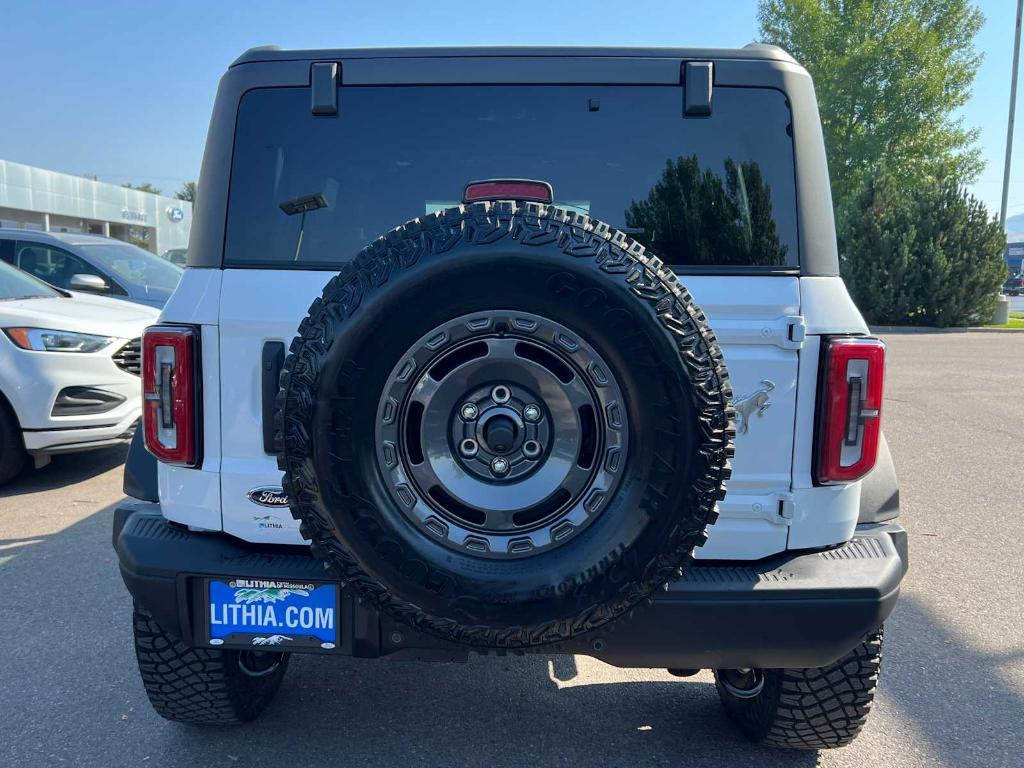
271, 614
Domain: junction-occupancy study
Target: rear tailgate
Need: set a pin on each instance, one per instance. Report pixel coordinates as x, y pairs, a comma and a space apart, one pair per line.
755, 318
757, 321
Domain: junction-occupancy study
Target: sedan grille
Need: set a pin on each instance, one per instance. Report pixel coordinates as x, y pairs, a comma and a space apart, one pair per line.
129, 357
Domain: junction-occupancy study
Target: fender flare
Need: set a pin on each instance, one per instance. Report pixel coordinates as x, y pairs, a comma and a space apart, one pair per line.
880, 490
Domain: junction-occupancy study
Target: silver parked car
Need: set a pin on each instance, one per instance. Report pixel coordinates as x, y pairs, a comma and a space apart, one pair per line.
91, 264
69, 370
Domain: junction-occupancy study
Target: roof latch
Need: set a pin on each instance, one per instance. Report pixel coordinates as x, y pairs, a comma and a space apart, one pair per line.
323, 81
698, 80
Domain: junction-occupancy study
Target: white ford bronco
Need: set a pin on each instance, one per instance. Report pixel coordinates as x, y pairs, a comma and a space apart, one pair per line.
518, 350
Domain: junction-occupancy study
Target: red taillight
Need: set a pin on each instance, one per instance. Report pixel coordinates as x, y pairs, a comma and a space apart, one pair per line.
508, 189
170, 408
851, 421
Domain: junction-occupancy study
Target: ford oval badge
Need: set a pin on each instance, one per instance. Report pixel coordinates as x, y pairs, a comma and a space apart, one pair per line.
268, 496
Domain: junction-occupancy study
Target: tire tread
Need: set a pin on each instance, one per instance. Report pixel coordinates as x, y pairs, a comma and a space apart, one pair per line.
817, 708
197, 685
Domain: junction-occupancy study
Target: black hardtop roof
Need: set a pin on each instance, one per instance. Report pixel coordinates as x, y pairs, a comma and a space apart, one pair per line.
753, 51
752, 66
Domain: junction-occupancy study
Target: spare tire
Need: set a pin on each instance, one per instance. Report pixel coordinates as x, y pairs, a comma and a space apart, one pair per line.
505, 424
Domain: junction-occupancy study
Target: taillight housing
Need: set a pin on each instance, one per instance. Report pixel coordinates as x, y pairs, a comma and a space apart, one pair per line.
170, 393
850, 419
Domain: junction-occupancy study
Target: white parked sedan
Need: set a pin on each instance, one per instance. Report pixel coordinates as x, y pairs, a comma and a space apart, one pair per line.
69, 370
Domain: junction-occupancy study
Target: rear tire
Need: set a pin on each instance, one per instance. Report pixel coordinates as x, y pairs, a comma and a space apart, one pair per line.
203, 686
820, 708
12, 449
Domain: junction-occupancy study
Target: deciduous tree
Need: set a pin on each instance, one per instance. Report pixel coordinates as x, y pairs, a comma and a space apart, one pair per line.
147, 187
890, 75
187, 192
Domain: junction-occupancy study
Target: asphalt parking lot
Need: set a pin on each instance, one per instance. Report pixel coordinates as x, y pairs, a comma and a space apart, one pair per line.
952, 691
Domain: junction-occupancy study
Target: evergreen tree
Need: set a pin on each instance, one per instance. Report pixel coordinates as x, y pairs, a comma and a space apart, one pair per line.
698, 217
921, 253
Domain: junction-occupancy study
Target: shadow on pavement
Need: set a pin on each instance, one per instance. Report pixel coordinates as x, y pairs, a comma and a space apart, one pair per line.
71, 692
955, 695
65, 469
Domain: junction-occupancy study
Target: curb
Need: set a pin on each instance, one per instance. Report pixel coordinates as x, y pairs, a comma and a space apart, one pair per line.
911, 329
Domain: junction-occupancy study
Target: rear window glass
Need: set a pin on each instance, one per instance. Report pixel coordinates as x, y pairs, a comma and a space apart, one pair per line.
699, 192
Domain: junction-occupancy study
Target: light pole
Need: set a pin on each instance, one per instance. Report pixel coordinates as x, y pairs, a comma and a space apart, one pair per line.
1013, 108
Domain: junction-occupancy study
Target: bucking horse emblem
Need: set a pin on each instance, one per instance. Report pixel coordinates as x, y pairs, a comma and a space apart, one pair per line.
752, 405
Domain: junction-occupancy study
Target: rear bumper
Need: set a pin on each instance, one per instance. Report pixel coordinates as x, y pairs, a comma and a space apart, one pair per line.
799, 609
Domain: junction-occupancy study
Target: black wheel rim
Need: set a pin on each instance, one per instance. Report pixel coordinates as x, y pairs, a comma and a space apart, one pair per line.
501, 433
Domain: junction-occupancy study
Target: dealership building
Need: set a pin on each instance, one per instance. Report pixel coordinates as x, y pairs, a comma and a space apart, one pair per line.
34, 198
1014, 256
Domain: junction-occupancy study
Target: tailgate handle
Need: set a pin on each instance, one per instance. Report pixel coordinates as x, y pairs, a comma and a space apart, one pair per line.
270, 372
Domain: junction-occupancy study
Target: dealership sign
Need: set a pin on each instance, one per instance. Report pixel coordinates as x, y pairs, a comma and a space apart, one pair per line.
137, 216
175, 214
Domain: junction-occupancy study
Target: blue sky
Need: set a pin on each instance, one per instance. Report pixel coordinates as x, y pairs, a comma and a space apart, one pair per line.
123, 90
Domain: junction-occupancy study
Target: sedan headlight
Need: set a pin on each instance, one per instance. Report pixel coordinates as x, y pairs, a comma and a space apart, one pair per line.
44, 340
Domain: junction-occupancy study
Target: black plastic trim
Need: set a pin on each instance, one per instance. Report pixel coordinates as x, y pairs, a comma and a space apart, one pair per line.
129, 357
140, 471
698, 78
795, 609
84, 401
323, 82
880, 489
270, 376
69, 429
727, 270
273, 53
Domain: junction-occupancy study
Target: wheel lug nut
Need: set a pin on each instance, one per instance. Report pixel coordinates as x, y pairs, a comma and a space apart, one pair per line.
469, 412
501, 394
531, 449
499, 466
531, 413
468, 448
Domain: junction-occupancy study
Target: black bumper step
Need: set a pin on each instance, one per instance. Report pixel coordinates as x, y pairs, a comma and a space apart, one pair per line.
797, 609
